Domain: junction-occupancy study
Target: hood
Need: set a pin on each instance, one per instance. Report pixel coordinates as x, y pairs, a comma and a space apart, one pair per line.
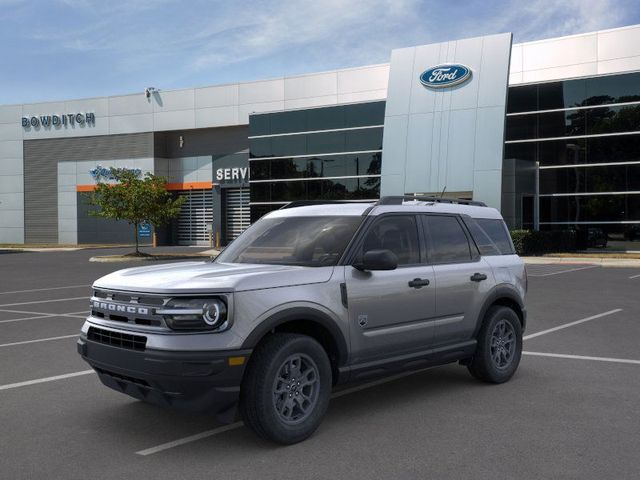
207, 277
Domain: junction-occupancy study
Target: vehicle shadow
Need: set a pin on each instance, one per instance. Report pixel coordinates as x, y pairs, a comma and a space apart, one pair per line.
426, 394
149, 424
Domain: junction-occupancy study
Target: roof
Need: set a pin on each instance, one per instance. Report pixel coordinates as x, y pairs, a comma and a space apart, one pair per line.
432, 207
347, 209
356, 209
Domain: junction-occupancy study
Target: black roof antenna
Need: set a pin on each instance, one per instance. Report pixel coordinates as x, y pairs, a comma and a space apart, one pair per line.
443, 190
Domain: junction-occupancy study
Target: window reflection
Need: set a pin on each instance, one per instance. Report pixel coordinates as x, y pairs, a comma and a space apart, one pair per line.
624, 148
600, 235
561, 124
615, 178
522, 99
312, 167
571, 93
590, 208
310, 162
613, 119
601, 90
321, 189
521, 127
597, 129
317, 143
562, 152
324, 118
621, 148
522, 151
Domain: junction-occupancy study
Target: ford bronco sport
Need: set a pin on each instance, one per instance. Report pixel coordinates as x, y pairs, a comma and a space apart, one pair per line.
309, 297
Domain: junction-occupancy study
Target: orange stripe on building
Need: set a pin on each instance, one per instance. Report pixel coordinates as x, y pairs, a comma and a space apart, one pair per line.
170, 186
189, 185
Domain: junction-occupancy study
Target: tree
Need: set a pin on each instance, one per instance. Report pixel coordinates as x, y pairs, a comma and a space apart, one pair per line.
136, 199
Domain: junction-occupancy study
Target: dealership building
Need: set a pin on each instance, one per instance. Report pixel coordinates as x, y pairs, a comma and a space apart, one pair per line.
546, 131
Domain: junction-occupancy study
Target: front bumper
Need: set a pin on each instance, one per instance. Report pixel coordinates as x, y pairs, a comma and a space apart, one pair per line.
192, 381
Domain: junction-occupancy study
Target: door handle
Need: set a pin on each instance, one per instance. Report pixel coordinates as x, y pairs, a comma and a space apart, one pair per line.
418, 283
478, 277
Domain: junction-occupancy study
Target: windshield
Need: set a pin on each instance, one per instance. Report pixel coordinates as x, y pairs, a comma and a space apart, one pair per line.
304, 241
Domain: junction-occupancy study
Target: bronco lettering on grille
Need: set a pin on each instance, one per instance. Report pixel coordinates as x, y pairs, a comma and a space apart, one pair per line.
114, 307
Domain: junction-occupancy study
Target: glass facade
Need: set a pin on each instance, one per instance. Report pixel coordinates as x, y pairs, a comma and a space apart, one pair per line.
329, 153
579, 142
574, 122
603, 90
313, 119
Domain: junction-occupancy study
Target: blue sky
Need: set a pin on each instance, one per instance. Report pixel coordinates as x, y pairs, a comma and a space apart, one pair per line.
65, 49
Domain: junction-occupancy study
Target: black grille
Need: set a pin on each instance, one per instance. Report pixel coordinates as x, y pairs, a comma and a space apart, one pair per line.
129, 297
127, 308
117, 339
121, 318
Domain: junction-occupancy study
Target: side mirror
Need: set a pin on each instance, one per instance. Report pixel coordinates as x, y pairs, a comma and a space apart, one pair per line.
377, 260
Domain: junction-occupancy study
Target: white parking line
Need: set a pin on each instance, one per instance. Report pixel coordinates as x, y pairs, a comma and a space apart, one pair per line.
581, 357
382, 381
44, 301
46, 379
39, 313
571, 324
42, 315
563, 271
24, 342
236, 425
10, 320
192, 438
43, 289
634, 276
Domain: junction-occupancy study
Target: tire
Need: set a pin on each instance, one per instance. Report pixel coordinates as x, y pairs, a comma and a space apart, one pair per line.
497, 363
276, 405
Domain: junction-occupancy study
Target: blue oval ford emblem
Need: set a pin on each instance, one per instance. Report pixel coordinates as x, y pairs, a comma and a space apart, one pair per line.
442, 76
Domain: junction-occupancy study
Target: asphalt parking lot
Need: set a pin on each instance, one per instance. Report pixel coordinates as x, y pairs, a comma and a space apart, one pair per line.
571, 411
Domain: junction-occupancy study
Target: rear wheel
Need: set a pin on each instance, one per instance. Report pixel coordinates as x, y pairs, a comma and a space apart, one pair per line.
499, 346
286, 389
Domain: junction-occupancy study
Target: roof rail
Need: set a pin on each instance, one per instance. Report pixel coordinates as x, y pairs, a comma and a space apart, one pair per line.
306, 203
399, 199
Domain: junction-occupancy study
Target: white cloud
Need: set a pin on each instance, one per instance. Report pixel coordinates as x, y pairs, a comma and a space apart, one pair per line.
338, 27
177, 42
540, 19
203, 36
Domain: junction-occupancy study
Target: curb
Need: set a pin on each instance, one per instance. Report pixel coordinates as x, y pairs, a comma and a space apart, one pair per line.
67, 248
31, 249
165, 258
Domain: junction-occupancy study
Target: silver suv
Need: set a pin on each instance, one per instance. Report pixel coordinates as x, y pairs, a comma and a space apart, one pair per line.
309, 297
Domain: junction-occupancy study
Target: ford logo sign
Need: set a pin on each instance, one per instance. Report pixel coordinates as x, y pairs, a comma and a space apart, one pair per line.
442, 76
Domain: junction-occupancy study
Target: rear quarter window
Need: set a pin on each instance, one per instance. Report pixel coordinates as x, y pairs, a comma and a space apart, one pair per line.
497, 232
486, 246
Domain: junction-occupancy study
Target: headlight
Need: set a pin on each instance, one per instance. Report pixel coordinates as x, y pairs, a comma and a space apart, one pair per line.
195, 314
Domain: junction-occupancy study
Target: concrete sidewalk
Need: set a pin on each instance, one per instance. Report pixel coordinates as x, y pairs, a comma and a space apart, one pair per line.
595, 260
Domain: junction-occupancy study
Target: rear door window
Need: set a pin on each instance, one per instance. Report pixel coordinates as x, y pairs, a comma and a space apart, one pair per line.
448, 242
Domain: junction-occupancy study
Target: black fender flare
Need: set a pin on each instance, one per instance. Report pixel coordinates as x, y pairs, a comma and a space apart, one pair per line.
300, 313
499, 292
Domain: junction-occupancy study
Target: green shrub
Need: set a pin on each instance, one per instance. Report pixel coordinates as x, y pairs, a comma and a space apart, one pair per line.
532, 242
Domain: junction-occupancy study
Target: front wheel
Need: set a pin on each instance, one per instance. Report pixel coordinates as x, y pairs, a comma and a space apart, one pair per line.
499, 346
287, 387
